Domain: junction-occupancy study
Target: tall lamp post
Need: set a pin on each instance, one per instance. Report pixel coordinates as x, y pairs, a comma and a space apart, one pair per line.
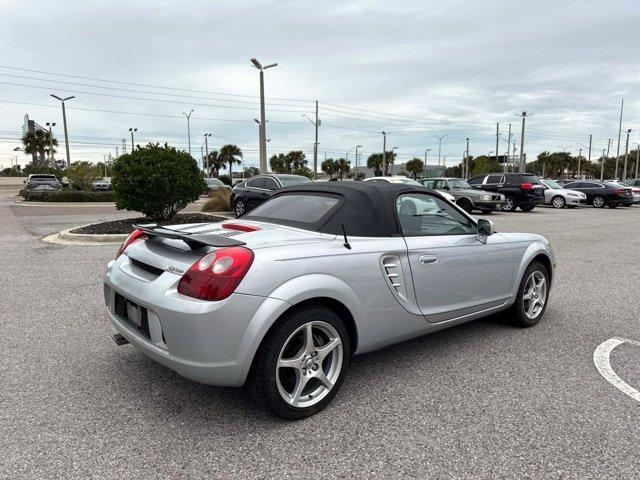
50, 124
188, 117
206, 153
132, 130
440, 137
64, 121
263, 130
356, 167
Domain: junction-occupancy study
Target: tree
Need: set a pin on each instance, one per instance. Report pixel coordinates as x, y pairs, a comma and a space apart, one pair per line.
158, 181
329, 167
278, 163
39, 168
390, 159
295, 160
39, 142
304, 171
230, 155
375, 163
484, 164
213, 163
415, 167
251, 171
343, 167
81, 174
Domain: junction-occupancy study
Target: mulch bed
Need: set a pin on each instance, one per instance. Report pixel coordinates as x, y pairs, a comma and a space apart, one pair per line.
126, 225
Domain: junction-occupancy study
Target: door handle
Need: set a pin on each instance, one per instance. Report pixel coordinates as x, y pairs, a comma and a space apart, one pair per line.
428, 259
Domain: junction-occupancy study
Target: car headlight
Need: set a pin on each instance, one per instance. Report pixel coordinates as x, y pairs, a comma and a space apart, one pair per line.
485, 198
571, 194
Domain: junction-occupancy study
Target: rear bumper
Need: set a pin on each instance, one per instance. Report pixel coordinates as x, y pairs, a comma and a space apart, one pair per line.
620, 201
208, 342
492, 205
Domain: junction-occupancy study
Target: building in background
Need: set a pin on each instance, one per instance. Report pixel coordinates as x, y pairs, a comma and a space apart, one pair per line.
31, 126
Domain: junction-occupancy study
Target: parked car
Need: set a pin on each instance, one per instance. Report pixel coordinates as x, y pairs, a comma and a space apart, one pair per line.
603, 194
633, 183
400, 179
635, 191
522, 190
465, 197
41, 181
559, 197
283, 297
100, 185
215, 184
255, 190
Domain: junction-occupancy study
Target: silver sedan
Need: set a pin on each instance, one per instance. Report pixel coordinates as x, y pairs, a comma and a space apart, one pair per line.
282, 297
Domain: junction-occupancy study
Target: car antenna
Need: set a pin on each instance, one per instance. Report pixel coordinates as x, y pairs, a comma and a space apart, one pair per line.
346, 241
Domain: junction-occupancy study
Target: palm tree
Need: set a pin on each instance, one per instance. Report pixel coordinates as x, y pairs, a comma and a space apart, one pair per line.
295, 160
278, 163
328, 167
229, 155
214, 163
343, 166
39, 142
375, 163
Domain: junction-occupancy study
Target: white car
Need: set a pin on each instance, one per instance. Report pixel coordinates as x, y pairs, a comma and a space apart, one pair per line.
406, 181
559, 197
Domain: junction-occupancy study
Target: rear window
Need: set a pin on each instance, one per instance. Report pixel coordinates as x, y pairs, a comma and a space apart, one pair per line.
301, 209
531, 179
290, 181
43, 177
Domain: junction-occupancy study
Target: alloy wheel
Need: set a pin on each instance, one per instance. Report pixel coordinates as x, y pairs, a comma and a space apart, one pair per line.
598, 202
309, 364
508, 205
239, 207
535, 295
558, 202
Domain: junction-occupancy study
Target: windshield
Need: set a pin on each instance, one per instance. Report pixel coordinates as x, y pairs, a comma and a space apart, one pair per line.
408, 181
459, 183
291, 180
551, 184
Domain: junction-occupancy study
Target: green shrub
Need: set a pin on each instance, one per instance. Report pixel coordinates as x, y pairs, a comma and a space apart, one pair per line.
67, 196
81, 174
38, 168
158, 181
218, 201
225, 179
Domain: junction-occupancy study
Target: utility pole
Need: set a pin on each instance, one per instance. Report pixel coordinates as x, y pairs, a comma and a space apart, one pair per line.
384, 148
637, 159
579, 158
524, 117
202, 157
615, 177
263, 128
188, 117
206, 153
626, 156
497, 140
117, 151
513, 163
315, 147
602, 162
589, 159
357, 147
466, 162
426, 152
506, 163
64, 121
124, 146
132, 130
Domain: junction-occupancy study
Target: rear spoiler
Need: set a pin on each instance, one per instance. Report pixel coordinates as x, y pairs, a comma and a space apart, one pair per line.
193, 240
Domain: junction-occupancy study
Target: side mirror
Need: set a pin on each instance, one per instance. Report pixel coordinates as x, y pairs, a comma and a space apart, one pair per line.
485, 229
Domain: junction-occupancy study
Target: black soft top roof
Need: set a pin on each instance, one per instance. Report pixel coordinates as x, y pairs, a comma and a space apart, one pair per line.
368, 209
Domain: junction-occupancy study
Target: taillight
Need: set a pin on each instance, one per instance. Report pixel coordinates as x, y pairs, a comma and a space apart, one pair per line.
526, 186
216, 275
619, 192
133, 236
240, 227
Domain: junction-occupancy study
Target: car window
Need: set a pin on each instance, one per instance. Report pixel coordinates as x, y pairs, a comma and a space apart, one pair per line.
43, 177
494, 179
291, 180
428, 183
299, 208
551, 184
476, 181
425, 215
458, 183
270, 184
533, 179
440, 185
256, 182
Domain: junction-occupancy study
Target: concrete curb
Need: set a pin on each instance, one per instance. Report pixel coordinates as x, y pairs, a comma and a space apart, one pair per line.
65, 237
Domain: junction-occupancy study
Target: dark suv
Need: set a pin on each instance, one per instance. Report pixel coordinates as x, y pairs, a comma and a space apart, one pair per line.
255, 190
522, 190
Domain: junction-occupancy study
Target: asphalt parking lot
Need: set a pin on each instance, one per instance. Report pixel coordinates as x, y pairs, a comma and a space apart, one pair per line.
483, 400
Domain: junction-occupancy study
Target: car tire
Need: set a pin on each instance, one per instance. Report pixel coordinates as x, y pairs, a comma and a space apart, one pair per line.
486, 212
239, 207
598, 202
277, 387
571, 206
526, 312
613, 206
509, 204
558, 201
465, 204
527, 208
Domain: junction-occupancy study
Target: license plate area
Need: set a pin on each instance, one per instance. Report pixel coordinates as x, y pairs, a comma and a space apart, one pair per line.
135, 315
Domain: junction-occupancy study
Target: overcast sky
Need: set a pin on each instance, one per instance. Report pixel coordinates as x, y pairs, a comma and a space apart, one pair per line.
414, 69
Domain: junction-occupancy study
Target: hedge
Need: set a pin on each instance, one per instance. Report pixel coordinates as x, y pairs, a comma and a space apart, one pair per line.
67, 196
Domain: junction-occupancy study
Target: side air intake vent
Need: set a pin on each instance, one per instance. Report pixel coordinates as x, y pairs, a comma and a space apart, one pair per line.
393, 273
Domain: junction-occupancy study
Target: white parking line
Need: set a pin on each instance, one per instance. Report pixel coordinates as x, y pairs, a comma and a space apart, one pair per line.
601, 358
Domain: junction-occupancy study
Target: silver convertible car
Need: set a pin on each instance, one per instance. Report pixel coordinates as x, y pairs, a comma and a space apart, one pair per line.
283, 296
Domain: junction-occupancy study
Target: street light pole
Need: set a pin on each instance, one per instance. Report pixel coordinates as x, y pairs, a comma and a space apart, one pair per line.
356, 168
206, 153
384, 148
188, 128
602, 164
440, 137
615, 177
465, 173
263, 130
626, 156
64, 121
524, 117
131, 129
506, 163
